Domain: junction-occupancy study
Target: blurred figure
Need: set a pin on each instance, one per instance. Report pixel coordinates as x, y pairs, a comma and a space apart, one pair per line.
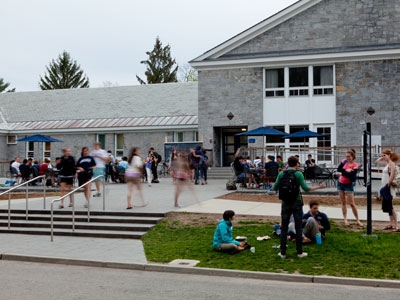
182, 176
101, 158
84, 167
133, 177
172, 164
67, 170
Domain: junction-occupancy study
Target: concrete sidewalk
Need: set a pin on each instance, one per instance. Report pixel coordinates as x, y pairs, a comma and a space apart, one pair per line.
130, 253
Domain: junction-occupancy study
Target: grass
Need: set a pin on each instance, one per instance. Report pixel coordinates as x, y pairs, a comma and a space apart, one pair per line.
343, 254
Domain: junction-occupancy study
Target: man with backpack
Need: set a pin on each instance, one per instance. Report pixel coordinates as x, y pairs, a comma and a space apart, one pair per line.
288, 184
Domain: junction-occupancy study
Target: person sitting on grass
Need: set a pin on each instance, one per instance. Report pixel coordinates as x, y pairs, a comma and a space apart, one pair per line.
314, 222
223, 240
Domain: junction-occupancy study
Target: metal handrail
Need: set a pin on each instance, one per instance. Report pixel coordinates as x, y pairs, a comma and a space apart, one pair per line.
73, 204
26, 197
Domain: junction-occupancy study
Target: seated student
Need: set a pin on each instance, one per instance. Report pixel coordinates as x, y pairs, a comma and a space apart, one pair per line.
310, 162
314, 222
280, 162
223, 240
25, 170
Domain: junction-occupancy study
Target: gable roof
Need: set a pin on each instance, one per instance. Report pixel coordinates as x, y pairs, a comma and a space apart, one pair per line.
261, 27
112, 107
272, 42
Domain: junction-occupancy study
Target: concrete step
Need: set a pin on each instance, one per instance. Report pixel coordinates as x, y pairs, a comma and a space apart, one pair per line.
102, 224
77, 233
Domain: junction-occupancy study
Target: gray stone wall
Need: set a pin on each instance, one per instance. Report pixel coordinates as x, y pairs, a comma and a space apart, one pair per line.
332, 24
360, 85
238, 91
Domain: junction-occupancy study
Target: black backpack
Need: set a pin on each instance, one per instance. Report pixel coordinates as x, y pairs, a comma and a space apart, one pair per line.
289, 188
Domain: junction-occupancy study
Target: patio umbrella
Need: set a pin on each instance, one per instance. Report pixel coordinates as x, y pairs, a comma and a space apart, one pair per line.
39, 138
305, 133
263, 131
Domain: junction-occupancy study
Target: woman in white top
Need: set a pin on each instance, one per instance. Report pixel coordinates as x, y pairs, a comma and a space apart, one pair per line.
133, 177
389, 159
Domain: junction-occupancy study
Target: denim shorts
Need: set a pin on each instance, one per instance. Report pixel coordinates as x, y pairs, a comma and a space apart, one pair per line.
347, 188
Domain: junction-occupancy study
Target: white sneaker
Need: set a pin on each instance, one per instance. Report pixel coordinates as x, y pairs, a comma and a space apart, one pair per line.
281, 255
304, 254
85, 205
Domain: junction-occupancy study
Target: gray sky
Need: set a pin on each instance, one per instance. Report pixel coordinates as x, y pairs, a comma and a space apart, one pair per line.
109, 38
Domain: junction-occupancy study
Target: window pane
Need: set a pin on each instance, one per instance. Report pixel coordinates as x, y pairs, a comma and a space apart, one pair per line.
323, 76
120, 141
298, 77
274, 78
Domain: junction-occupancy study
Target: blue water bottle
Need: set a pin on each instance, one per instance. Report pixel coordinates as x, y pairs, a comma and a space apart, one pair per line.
318, 239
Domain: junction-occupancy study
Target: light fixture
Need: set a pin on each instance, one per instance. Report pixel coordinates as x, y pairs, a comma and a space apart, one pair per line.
230, 116
370, 110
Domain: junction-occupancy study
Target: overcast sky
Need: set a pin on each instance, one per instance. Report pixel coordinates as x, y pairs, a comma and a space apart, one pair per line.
109, 38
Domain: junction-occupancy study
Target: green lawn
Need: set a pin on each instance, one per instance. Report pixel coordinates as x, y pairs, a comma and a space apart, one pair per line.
343, 254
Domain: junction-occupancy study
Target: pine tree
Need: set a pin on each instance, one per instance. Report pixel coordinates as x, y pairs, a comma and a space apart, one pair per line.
63, 74
4, 85
160, 66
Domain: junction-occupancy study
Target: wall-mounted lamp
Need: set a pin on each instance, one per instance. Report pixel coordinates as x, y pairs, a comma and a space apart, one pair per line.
230, 116
371, 110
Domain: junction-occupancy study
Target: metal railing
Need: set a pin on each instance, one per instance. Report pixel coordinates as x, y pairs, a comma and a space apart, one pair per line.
26, 196
73, 203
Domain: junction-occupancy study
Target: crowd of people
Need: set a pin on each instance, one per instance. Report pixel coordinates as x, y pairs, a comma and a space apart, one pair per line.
312, 226
186, 168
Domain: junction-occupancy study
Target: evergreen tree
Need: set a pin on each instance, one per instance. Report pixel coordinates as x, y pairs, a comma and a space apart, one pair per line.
63, 74
161, 67
4, 85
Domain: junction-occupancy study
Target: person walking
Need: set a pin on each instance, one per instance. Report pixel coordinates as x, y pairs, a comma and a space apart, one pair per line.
133, 177
149, 166
292, 204
84, 168
182, 176
101, 158
347, 172
387, 191
67, 170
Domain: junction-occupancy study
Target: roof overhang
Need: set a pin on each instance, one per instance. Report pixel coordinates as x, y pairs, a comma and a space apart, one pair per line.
301, 59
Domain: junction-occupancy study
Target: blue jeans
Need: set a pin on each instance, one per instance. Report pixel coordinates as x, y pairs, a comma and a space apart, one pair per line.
196, 172
287, 210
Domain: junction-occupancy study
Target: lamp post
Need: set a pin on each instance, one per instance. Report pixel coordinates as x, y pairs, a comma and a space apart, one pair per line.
367, 170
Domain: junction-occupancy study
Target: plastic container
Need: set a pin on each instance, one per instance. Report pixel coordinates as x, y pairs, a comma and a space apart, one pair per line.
318, 239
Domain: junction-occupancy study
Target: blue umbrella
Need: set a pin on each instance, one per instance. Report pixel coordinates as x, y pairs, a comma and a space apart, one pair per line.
263, 131
38, 138
305, 133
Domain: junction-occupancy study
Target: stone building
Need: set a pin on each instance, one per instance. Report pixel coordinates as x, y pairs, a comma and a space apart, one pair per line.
119, 117
318, 64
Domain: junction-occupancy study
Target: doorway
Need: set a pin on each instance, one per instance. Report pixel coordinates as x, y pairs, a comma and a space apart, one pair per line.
230, 143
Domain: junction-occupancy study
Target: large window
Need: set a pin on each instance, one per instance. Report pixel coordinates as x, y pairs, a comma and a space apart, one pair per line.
324, 144
323, 80
47, 149
275, 83
298, 81
119, 143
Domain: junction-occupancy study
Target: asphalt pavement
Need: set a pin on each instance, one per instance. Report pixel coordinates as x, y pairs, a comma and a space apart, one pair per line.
127, 253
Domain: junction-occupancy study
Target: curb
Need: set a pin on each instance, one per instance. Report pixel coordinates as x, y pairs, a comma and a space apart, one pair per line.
207, 271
